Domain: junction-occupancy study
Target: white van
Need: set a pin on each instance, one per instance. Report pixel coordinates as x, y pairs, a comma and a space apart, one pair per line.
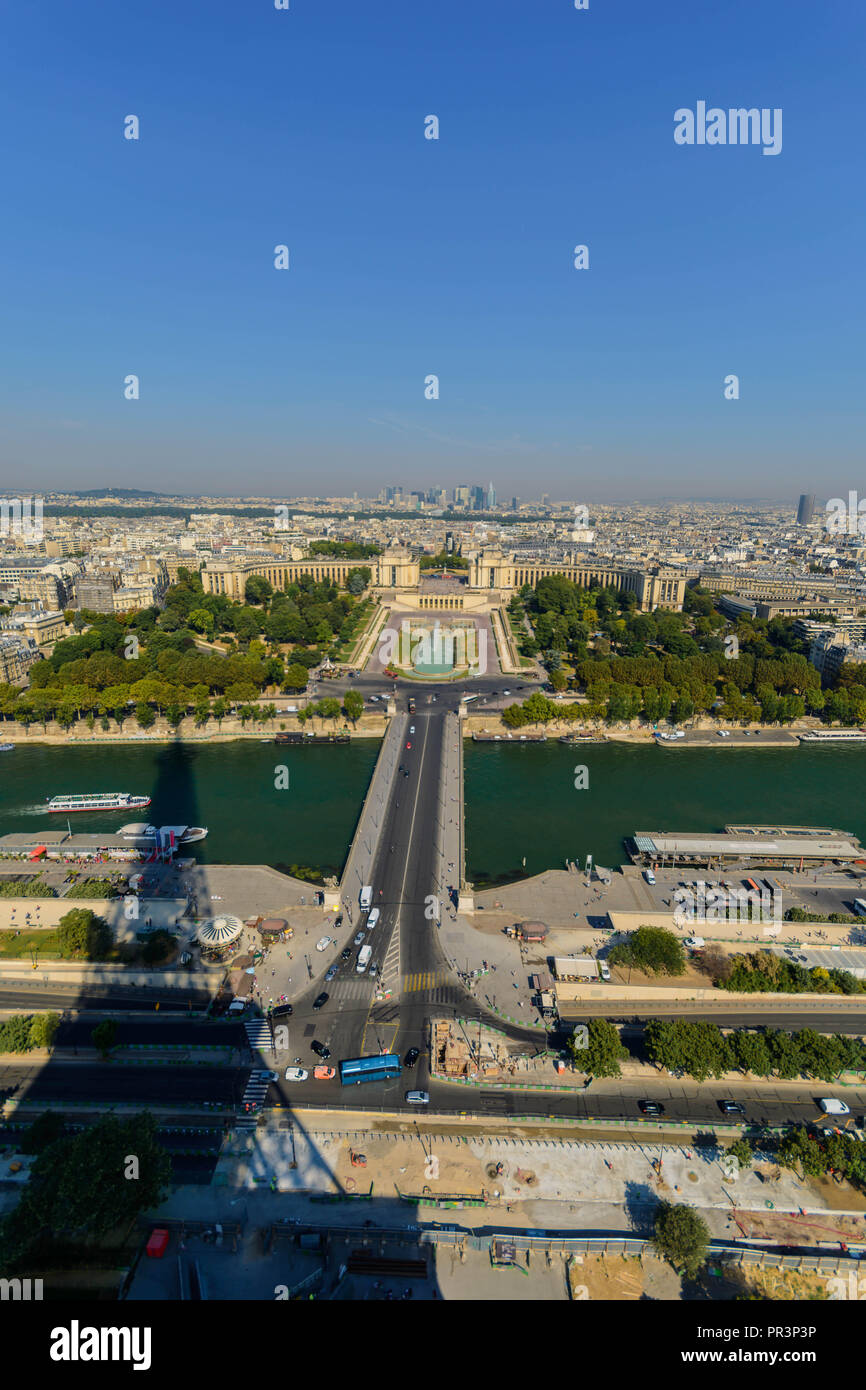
366, 898
363, 959
372, 919
237, 1006
860, 907
831, 1106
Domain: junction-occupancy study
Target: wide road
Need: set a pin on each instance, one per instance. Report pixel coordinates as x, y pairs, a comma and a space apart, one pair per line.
119, 1000
103, 1083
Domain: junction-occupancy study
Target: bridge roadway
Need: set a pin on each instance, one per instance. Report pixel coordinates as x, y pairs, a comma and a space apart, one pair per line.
404, 878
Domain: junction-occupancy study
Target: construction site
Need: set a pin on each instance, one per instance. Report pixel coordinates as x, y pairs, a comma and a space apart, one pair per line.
469, 1051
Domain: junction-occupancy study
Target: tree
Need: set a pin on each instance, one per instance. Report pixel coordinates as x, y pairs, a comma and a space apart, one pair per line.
742, 1151
45, 1130
604, 1051
80, 1187
296, 677
329, 708
83, 935
258, 590
353, 704
103, 1036
800, 1151
652, 949
43, 1029
358, 579
681, 1237
144, 715
15, 1034
200, 620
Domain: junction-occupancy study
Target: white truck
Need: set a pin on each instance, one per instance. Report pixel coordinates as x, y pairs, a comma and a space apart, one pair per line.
832, 1106
363, 959
366, 898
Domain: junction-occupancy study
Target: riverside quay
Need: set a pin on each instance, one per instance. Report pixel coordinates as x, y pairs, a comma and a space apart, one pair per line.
748, 846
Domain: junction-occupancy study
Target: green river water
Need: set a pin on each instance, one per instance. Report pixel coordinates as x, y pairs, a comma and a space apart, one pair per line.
521, 801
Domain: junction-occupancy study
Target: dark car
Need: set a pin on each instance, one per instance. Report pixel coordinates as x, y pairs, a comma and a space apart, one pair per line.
411, 1057
338, 921
321, 1001
346, 954
650, 1107
731, 1107
320, 1050
406, 773
281, 1011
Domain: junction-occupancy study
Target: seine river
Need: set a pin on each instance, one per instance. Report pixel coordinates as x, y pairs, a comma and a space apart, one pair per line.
521, 802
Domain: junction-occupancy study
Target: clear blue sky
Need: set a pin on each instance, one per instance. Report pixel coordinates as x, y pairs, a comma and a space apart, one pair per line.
411, 256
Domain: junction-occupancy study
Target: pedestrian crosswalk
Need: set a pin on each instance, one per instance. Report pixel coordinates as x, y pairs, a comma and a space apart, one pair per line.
361, 988
254, 1095
424, 980
258, 1034
391, 964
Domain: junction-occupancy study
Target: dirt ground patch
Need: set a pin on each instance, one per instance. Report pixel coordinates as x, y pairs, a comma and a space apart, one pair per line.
691, 978
784, 1285
621, 1278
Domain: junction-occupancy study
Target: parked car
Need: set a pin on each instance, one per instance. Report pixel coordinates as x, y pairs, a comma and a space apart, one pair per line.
320, 1050
282, 1011
296, 1074
694, 943
417, 1098
604, 969
321, 1001
723, 733
411, 1057
323, 943
649, 875
650, 1107
338, 921
731, 1107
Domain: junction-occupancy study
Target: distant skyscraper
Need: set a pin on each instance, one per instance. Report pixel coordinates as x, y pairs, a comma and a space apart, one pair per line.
514, 502
545, 499
449, 542
491, 497
806, 509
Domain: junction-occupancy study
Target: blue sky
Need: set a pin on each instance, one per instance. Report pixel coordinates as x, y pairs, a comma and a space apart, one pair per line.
411, 257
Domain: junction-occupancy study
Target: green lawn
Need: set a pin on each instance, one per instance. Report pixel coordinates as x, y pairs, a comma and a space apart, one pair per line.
14, 947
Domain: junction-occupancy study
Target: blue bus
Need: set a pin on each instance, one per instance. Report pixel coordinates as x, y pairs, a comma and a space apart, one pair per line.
383, 1067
